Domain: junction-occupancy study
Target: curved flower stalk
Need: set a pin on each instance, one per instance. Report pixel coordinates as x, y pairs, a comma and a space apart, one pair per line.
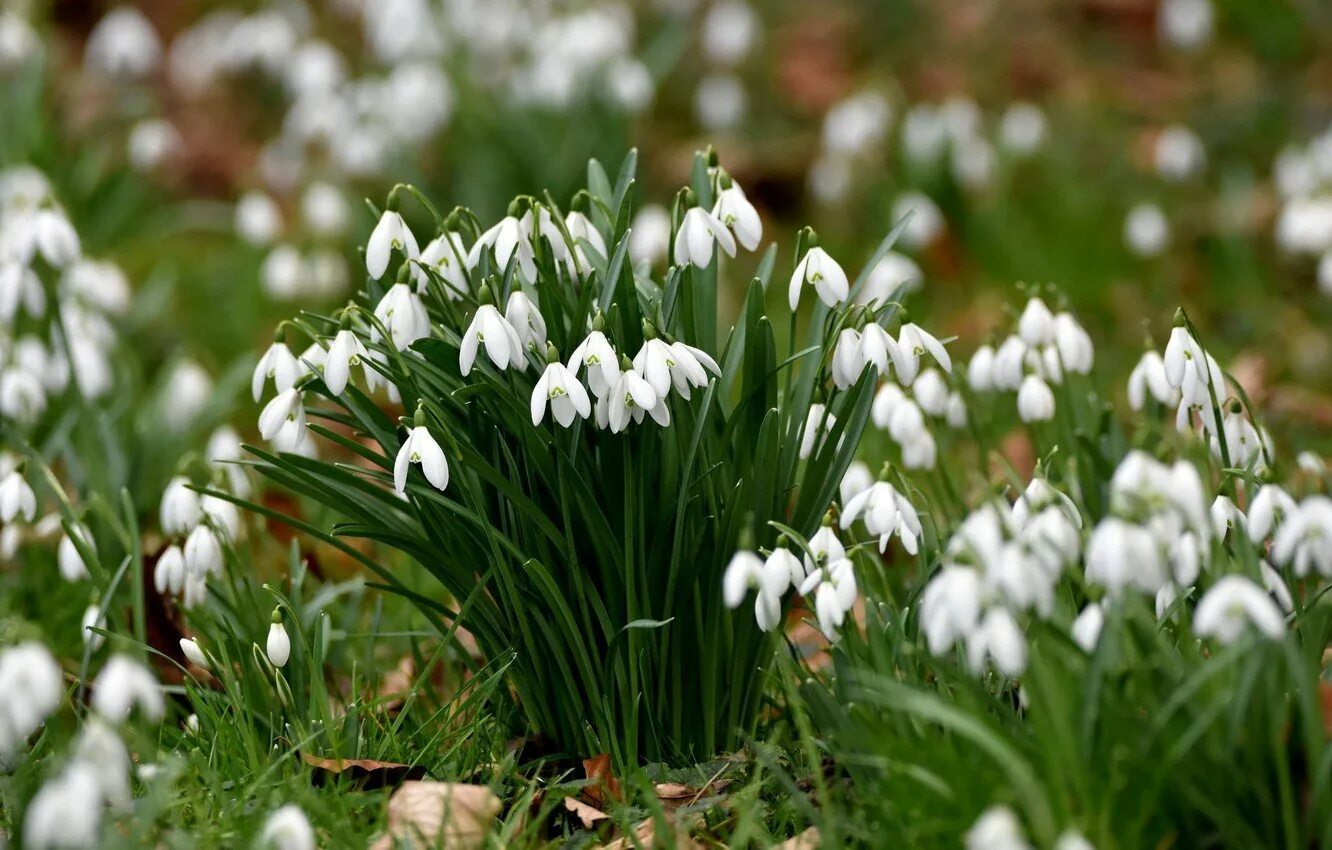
604, 537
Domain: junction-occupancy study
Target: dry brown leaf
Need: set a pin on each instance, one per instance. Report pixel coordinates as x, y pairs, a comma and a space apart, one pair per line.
674, 791
645, 836
603, 786
807, 840
449, 815
368, 772
589, 815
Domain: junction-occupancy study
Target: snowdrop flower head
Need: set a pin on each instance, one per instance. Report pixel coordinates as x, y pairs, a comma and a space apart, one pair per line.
1234, 604
287, 829
502, 343
1086, 628
1179, 153
699, 231
886, 512
1304, 540
1185, 24
720, 102
194, 653
650, 234
283, 419
511, 240
559, 389
735, 211
420, 448
856, 480
996, 829
31, 686
914, 341
892, 272
1036, 324
824, 548
169, 573
930, 390
630, 397
68, 559
180, 509
55, 237
203, 552
123, 44
927, 221
980, 369
526, 320
17, 500
848, 360
818, 422
596, 353
123, 685
746, 571
278, 365
950, 607
324, 211
878, 347
835, 594
1022, 129
67, 810
822, 272
1073, 344
999, 639
1146, 230
390, 234
1269, 509
1149, 378
1036, 401
278, 646
1121, 555
402, 312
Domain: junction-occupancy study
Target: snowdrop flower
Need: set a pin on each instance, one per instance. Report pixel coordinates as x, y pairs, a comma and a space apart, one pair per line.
1275, 586
580, 227
559, 389
1007, 370
502, 343
1146, 230
735, 211
729, 31
877, 346
663, 365
818, 422
1022, 128
390, 234
1233, 604
169, 573
345, 353
403, 313
287, 829
1036, 401
55, 237
824, 548
188, 389
123, 685
1311, 464
152, 142
629, 398
835, 594
194, 654
886, 401
179, 511
1122, 555
202, 554
1072, 840
650, 235
719, 103
278, 647
1226, 516
195, 590
746, 571
1086, 629
913, 341
526, 321
931, 392
1184, 358
1185, 24
1149, 377
1304, 539
595, 352
996, 829
66, 812
17, 500
18, 41
886, 512
856, 125
68, 559
893, 271
258, 219
1073, 344
955, 411
222, 514
980, 370
31, 686
1243, 443
511, 236
694, 240
1179, 153
847, 360
278, 365
920, 452
1036, 324
856, 480
950, 607
1269, 509
821, 271
283, 419
927, 221
999, 639
123, 44
907, 422
93, 618
420, 448
785, 566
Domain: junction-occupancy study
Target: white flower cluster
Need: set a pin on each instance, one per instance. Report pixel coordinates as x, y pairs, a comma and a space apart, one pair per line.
1178, 156
728, 35
199, 526
1303, 178
1046, 347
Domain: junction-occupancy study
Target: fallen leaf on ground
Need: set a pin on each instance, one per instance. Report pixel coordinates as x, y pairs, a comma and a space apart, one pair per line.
589, 815
603, 786
807, 840
449, 815
369, 772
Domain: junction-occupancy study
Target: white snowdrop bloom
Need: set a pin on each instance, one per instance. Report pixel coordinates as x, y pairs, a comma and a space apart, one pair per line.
194, 653
402, 312
581, 229
1071, 839
920, 452
18, 41
345, 353
511, 237
720, 102
1179, 154
663, 365
1086, 628
847, 360
1185, 24
835, 593
526, 320
224, 515
187, 390
1311, 464
502, 344
855, 480
1007, 369
22, 396
278, 365
735, 211
650, 234
123, 43
179, 511
1271, 507
786, 569
1121, 555
123, 685
1051, 536
421, 448
1146, 230
907, 422
878, 347
195, 590
66, 812
70, 562
950, 607
31, 686
931, 392
980, 369
202, 554
1304, 540
283, 273
998, 639
886, 512
1149, 377
996, 829
1036, 324
892, 272
824, 548
55, 237
1073, 344
1036, 401
1304, 226
258, 219
691, 368
603, 364
698, 231
955, 411
1023, 579
99, 283
19, 287
287, 829
1039, 495
1022, 129
1276, 587
1226, 516
559, 389
1243, 444
927, 221
818, 422
169, 573
630, 85
324, 211
17, 501
1187, 557
746, 571
886, 400
285, 412
1232, 605
973, 162
913, 341
224, 446
314, 67
99, 747
278, 646
390, 234
1183, 355
856, 125
630, 397
729, 31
